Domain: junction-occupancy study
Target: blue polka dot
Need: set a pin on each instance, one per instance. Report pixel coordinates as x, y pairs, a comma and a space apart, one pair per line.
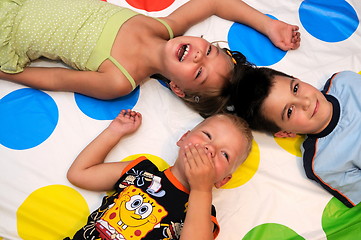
106, 109
28, 118
164, 84
255, 46
329, 21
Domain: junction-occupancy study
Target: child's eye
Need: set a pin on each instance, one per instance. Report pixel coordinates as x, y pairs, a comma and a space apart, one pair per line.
199, 73
208, 135
289, 112
209, 50
225, 155
295, 88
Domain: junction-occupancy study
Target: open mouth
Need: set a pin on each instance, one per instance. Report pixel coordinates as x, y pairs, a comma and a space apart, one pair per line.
183, 52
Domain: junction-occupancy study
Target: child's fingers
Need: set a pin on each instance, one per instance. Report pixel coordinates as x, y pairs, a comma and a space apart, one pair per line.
204, 156
197, 155
199, 171
200, 158
129, 116
296, 37
128, 113
122, 113
139, 116
189, 157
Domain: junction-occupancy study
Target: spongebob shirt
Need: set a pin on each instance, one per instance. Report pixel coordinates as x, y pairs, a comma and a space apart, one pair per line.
147, 204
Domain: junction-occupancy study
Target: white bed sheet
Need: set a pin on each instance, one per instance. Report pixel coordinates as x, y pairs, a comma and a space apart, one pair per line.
269, 197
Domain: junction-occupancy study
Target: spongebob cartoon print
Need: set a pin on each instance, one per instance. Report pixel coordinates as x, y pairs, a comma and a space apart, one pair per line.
144, 205
133, 214
140, 178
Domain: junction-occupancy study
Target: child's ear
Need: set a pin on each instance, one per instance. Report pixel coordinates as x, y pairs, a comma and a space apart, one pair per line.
179, 92
223, 181
284, 134
181, 139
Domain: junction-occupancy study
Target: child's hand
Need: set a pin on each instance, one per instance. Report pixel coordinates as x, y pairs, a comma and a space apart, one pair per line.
199, 168
283, 35
126, 122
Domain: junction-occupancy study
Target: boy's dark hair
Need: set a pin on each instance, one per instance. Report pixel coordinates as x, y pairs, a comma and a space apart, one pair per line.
248, 96
207, 103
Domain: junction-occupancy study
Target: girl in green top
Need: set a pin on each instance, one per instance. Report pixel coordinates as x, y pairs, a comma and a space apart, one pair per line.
115, 48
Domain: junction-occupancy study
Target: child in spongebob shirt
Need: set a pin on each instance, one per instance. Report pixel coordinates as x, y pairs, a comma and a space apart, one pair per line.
152, 204
144, 201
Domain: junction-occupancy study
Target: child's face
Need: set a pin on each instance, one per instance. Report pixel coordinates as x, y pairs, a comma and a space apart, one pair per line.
222, 140
192, 63
297, 107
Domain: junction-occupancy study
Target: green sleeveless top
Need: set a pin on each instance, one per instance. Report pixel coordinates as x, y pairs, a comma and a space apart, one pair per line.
78, 32
104, 45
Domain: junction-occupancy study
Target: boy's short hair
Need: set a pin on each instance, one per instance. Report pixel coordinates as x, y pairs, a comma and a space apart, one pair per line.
250, 93
245, 131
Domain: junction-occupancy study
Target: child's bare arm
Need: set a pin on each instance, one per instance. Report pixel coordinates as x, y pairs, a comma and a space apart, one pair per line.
89, 171
283, 35
102, 85
200, 172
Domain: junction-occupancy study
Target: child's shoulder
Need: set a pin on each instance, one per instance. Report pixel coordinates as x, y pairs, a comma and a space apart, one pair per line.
342, 80
143, 163
347, 75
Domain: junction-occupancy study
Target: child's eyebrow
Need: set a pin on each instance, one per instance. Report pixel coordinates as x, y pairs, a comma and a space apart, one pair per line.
291, 84
283, 113
291, 89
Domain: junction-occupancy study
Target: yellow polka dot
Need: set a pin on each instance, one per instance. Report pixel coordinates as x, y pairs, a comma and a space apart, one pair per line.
291, 145
159, 162
51, 212
246, 170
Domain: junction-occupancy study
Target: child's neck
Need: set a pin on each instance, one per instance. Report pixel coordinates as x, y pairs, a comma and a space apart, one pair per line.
179, 175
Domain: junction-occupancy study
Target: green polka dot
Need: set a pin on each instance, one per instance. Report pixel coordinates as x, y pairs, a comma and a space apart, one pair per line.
340, 222
272, 231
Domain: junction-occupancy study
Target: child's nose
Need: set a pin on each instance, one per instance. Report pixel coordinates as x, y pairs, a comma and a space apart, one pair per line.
209, 149
198, 56
304, 102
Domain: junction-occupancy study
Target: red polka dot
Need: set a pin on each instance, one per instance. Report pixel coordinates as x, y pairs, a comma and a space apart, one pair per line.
137, 233
150, 5
112, 215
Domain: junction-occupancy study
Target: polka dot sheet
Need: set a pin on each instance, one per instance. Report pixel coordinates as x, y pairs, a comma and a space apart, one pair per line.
269, 196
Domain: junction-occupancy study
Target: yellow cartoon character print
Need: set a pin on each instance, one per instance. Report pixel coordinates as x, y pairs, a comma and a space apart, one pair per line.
131, 216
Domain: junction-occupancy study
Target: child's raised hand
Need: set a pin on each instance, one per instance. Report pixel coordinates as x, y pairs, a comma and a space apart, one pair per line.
126, 122
199, 168
283, 35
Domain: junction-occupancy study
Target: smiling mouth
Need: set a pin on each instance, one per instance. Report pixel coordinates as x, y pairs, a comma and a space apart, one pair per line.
316, 109
183, 52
